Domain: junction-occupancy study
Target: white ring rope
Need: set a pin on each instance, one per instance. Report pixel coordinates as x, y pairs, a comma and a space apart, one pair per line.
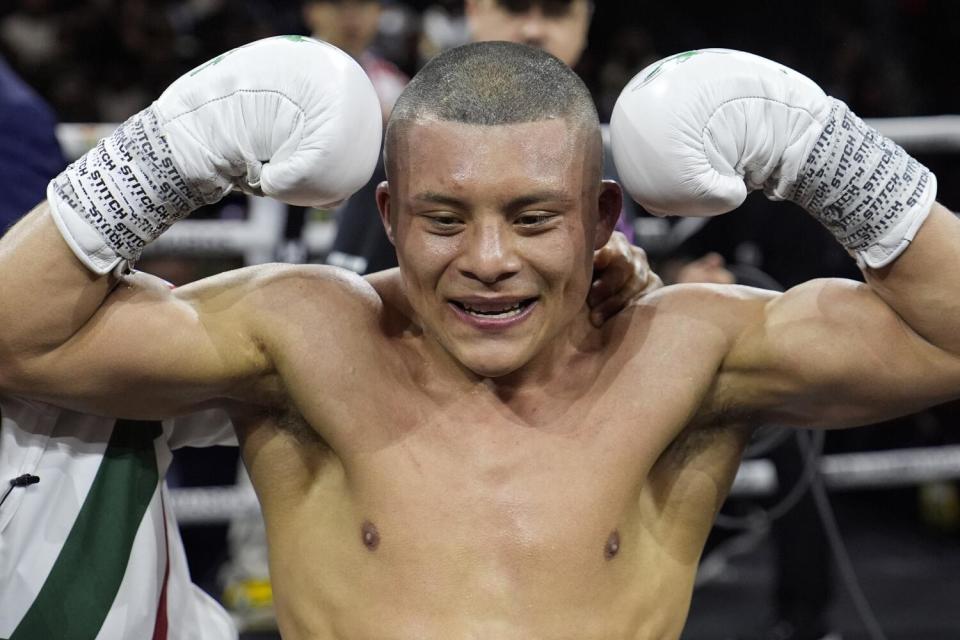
862, 470
842, 471
259, 238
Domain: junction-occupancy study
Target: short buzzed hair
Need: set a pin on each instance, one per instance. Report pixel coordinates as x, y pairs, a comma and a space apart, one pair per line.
494, 83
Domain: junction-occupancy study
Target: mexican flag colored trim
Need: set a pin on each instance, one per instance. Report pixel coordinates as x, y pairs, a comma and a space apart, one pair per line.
81, 587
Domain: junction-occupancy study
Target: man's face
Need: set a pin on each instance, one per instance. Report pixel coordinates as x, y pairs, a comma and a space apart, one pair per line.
495, 228
557, 27
350, 25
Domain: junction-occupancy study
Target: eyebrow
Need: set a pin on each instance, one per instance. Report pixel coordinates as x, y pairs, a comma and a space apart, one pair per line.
546, 195
438, 198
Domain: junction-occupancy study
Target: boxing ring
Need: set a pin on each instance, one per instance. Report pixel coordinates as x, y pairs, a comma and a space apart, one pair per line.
261, 237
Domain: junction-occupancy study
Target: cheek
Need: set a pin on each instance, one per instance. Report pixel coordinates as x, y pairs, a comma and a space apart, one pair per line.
560, 260
425, 255
567, 44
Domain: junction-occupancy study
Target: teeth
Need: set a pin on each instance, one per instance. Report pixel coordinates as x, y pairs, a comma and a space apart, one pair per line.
506, 312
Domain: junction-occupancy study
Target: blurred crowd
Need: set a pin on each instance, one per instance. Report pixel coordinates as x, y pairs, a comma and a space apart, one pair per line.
101, 60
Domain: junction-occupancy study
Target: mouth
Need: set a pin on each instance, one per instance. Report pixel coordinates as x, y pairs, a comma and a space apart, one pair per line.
493, 313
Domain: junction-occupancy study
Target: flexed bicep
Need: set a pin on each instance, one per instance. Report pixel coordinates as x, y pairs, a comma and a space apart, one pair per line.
149, 351
832, 353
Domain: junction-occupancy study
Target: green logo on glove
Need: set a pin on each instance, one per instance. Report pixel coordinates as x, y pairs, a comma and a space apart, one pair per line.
219, 58
663, 65
678, 58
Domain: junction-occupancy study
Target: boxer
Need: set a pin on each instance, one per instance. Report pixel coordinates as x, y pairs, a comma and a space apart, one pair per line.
456, 450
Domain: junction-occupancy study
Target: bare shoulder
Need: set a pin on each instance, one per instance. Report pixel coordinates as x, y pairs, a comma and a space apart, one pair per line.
287, 290
290, 309
721, 310
679, 338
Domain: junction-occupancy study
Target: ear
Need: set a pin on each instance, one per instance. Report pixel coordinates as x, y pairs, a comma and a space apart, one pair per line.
383, 204
610, 204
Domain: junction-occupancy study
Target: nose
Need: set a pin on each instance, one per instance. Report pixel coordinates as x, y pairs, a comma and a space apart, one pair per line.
490, 255
533, 28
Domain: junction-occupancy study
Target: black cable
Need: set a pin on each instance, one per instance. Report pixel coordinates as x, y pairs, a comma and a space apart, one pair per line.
758, 522
840, 554
762, 518
765, 440
811, 447
20, 481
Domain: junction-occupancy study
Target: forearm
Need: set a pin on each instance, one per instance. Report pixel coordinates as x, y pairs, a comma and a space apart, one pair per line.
48, 294
922, 285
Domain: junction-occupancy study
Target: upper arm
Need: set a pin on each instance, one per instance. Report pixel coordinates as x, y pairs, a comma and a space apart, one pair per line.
151, 351
829, 353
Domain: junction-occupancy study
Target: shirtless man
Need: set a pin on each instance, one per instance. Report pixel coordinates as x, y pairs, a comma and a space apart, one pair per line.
459, 452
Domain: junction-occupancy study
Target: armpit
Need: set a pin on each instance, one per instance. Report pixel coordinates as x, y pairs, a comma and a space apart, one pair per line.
718, 429
292, 422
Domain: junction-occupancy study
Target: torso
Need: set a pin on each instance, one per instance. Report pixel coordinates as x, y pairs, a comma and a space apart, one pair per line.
401, 504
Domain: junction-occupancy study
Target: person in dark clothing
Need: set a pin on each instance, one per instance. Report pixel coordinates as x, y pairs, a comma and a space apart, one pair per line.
28, 125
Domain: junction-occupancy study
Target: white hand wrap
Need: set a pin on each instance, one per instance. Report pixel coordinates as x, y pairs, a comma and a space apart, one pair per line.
127, 190
864, 188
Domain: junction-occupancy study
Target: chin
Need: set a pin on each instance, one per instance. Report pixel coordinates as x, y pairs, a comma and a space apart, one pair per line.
486, 371
492, 366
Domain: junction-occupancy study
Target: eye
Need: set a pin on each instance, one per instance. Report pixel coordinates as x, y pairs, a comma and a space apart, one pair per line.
443, 223
534, 220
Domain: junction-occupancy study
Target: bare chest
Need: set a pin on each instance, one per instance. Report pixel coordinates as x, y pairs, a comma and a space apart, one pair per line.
518, 471
516, 504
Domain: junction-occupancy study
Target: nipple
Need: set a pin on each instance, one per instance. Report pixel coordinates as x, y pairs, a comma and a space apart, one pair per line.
370, 535
612, 547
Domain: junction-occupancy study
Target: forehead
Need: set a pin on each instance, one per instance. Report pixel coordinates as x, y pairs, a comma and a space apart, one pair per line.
552, 8
345, 3
458, 154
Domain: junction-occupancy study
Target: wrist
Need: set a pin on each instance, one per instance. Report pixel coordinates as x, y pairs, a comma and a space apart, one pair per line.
864, 188
121, 195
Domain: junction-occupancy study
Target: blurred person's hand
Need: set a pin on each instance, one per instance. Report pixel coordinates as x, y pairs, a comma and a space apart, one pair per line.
621, 273
711, 268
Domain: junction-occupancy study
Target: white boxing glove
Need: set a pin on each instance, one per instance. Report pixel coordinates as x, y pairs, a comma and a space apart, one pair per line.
693, 133
287, 117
